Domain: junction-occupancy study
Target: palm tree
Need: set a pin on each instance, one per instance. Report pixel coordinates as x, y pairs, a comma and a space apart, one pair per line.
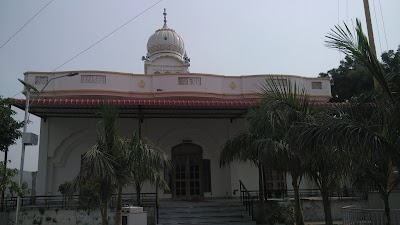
265, 143
240, 148
368, 127
113, 163
148, 163
99, 163
282, 106
327, 167
369, 135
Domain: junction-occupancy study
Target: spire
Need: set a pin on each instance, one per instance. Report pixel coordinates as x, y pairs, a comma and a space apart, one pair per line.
165, 18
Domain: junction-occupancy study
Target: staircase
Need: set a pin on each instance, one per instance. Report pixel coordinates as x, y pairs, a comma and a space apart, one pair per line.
214, 212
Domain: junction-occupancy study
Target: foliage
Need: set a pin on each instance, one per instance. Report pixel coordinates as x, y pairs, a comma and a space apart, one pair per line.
9, 127
391, 66
6, 182
281, 215
266, 142
368, 127
357, 47
113, 163
89, 198
148, 163
65, 188
349, 80
353, 77
241, 148
391, 61
98, 173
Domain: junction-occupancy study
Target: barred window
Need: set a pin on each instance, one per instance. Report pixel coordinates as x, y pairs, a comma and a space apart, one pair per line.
93, 79
316, 85
41, 80
189, 81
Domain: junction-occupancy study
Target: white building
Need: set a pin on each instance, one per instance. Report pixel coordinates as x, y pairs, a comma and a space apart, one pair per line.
188, 115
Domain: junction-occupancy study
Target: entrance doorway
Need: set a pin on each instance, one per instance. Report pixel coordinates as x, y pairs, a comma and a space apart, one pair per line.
187, 179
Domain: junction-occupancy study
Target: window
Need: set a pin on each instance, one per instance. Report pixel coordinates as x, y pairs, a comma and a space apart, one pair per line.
93, 79
189, 81
316, 85
275, 183
41, 80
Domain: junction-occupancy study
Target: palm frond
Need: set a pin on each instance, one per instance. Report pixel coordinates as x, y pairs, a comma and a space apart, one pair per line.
281, 93
358, 48
95, 164
146, 161
342, 133
278, 155
238, 148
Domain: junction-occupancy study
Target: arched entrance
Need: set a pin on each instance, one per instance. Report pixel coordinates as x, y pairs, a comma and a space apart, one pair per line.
187, 178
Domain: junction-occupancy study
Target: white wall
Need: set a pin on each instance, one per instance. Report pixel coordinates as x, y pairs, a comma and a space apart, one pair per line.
66, 139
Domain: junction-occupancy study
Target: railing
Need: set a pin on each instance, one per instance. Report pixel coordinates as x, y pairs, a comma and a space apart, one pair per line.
304, 193
61, 201
357, 216
247, 199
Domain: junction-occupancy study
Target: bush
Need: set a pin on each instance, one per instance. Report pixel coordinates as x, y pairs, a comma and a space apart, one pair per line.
282, 215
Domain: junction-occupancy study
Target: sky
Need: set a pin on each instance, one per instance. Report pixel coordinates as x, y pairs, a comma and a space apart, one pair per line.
226, 37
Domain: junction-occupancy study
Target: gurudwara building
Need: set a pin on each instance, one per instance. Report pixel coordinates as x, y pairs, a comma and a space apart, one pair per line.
187, 114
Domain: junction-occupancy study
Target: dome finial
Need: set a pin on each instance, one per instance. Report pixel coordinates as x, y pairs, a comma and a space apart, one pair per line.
165, 17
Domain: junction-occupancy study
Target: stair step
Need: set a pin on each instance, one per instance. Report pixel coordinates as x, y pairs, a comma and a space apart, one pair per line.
197, 223
202, 214
217, 212
202, 209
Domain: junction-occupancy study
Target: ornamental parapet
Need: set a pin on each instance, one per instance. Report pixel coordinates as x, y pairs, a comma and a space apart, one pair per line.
170, 85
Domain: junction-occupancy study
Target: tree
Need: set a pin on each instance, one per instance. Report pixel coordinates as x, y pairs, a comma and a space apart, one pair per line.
241, 148
282, 106
383, 122
266, 141
352, 79
391, 62
348, 80
327, 167
9, 133
6, 181
148, 163
9, 127
112, 164
99, 163
391, 66
368, 127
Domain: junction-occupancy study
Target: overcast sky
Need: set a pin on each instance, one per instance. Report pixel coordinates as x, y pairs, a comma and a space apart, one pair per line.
221, 37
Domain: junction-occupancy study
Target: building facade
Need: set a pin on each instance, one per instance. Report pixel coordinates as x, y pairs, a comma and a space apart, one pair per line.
188, 115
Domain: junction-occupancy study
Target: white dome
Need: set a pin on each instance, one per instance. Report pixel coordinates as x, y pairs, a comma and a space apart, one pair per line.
165, 40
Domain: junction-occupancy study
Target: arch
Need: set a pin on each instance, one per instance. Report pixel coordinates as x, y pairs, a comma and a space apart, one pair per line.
177, 134
68, 146
187, 149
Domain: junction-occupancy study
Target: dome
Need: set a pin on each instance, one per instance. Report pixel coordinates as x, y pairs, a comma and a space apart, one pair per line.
165, 40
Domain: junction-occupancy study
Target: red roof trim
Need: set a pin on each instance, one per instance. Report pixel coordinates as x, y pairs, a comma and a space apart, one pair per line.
149, 102
155, 102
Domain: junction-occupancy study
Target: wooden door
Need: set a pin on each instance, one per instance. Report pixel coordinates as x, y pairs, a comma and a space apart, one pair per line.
187, 178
